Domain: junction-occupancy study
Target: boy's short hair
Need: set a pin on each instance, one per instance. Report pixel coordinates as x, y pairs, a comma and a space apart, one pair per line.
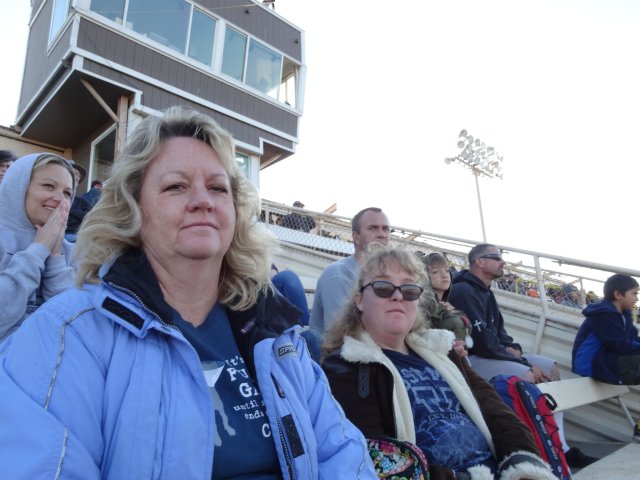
435, 259
618, 283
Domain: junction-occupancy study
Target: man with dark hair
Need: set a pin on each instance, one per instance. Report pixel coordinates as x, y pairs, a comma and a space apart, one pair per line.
494, 352
336, 283
297, 220
6, 159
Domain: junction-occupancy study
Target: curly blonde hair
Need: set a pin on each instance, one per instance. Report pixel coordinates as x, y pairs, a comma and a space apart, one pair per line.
114, 225
377, 260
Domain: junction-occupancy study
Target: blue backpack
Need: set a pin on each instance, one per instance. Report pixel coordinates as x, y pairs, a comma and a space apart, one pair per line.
535, 409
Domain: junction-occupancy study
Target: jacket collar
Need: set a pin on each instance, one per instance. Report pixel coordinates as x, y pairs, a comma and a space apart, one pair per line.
467, 276
364, 349
132, 273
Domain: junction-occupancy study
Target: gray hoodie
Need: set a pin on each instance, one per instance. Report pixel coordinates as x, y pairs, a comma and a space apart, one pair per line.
28, 274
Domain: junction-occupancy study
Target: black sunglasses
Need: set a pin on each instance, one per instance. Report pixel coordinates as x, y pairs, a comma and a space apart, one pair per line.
384, 289
492, 256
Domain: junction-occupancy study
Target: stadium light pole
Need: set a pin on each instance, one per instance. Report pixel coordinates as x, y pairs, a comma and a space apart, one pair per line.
481, 159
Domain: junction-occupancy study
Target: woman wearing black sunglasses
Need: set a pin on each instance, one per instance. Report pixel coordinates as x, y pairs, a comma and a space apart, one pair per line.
396, 378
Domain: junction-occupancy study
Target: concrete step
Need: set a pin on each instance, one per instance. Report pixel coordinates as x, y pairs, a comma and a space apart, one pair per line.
622, 464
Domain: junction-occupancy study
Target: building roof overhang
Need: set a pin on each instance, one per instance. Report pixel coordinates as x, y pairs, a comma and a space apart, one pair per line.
68, 113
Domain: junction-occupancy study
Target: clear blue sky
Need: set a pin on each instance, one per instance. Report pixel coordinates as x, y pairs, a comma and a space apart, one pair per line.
551, 84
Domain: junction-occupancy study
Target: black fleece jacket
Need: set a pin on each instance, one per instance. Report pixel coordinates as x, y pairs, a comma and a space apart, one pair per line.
477, 301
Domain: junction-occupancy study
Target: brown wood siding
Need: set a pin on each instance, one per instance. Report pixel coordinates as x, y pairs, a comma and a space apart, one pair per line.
38, 65
156, 98
122, 51
260, 23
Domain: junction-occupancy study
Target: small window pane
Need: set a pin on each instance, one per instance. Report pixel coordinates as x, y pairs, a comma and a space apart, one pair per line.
112, 9
203, 29
263, 69
287, 92
103, 156
243, 163
233, 56
164, 21
58, 17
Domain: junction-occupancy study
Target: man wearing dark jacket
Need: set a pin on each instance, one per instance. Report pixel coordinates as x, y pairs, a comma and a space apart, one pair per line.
494, 352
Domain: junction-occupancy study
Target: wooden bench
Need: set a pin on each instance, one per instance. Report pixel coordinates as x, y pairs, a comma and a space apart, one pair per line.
620, 465
576, 392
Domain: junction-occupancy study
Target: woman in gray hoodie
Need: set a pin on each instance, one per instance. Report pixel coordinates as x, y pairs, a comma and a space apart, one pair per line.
35, 260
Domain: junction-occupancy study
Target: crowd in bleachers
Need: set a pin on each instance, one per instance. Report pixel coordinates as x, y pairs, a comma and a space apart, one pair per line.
386, 326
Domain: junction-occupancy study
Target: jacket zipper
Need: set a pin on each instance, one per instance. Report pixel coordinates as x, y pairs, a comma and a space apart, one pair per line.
132, 294
285, 448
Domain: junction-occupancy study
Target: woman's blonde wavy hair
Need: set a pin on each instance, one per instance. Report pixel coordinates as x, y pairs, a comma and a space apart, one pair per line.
377, 260
113, 226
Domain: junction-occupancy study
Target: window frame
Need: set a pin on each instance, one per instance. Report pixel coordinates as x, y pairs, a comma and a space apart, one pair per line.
285, 91
53, 35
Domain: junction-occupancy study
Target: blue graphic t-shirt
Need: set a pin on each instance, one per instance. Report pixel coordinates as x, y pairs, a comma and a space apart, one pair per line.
444, 431
244, 448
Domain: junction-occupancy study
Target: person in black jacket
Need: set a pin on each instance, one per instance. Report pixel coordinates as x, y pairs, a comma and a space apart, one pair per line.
79, 207
297, 220
494, 352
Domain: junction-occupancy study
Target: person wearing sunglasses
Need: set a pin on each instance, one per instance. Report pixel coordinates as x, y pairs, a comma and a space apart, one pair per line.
396, 378
494, 351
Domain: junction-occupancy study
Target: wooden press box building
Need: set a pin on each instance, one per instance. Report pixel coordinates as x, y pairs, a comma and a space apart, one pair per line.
93, 68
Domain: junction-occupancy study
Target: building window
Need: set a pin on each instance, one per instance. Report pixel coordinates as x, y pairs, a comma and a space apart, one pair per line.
287, 92
203, 30
180, 26
259, 67
164, 21
243, 163
59, 14
235, 45
263, 69
111, 9
102, 156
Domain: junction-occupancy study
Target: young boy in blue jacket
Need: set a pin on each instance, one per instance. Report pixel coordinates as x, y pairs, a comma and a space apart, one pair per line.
607, 346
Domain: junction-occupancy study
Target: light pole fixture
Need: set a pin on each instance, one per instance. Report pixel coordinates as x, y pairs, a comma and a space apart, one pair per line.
481, 159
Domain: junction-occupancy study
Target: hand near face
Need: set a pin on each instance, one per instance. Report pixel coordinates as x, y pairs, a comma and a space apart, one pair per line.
52, 232
458, 346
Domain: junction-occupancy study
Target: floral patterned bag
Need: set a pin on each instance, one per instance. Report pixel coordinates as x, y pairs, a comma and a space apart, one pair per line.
397, 460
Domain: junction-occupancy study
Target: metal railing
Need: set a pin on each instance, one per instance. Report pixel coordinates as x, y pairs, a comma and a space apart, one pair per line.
535, 274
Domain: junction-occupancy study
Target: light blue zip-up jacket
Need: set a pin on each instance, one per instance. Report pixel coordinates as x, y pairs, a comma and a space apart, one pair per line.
96, 385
